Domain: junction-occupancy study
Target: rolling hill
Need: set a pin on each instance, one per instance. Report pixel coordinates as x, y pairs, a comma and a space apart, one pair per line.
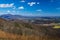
21, 29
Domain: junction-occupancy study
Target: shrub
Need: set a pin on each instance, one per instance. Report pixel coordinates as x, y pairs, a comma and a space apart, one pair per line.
28, 25
16, 24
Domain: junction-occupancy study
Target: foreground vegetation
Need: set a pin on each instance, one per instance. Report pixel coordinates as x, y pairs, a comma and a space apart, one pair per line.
19, 30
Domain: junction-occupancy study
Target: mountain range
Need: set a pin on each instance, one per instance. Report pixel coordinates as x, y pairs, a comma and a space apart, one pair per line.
10, 16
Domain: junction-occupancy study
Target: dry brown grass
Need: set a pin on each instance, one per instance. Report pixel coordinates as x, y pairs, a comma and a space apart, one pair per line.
9, 36
17, 37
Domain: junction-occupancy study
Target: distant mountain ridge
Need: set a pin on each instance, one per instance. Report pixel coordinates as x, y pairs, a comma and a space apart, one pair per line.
10, 16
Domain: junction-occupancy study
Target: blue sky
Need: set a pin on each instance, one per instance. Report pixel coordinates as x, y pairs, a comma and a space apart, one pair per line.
30, 7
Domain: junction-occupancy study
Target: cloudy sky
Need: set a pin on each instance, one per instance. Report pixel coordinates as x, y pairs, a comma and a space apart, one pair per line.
30, 7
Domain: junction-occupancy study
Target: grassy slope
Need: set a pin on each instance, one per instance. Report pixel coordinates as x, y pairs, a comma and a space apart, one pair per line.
35, 32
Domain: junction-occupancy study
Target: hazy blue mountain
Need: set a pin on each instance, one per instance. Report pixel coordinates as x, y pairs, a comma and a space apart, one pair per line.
10, 16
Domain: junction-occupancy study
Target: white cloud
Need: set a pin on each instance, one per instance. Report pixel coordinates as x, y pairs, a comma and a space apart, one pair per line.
21, 7
39, 10
8, 11
22, 1
6, 5
38, 3
31, 3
